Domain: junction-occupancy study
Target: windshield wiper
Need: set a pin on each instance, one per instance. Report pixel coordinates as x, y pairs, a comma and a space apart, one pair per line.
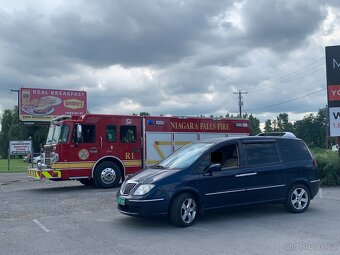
159, 166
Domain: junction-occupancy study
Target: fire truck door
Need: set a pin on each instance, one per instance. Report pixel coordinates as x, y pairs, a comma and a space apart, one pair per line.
130, 147
89, 146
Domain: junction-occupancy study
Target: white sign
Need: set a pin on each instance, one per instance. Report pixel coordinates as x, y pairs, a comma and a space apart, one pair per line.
334, 121
20, 147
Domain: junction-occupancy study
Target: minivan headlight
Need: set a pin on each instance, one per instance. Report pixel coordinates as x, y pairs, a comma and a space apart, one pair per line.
143, 189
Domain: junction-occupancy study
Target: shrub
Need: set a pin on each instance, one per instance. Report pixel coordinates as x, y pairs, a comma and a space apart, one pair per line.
329, 166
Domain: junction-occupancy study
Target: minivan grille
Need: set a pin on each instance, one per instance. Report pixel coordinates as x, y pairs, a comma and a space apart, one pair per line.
126, 189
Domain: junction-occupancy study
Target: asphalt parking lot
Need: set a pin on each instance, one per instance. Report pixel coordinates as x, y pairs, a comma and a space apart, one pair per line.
44, 217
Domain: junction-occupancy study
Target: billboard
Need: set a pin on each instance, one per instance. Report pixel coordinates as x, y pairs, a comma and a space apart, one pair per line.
20, 147
333, 88
43, 105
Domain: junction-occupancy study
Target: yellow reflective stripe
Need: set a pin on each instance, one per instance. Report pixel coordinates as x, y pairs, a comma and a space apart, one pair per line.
89, 165
71, 165
152, 162
41, 174
47, 175
159, 152
132, 163
33, 174
158, 143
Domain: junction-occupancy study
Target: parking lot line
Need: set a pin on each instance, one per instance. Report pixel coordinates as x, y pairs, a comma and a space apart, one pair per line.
41, 225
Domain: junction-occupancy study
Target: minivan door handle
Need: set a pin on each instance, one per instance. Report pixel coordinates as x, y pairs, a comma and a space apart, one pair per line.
244, 175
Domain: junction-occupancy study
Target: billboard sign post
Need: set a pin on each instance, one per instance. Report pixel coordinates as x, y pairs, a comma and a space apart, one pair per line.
43, 105
333, 88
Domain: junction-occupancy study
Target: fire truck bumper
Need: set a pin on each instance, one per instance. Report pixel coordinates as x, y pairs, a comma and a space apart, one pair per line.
44, 174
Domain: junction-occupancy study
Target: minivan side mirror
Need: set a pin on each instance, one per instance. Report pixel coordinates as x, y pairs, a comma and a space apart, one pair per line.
213, 168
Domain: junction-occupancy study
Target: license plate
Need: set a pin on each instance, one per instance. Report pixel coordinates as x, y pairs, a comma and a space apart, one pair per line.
121, 200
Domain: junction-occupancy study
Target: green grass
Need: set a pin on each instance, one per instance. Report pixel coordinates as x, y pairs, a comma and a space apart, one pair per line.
16, 165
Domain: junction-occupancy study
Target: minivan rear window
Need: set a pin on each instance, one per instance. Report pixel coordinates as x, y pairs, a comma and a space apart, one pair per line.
293, 150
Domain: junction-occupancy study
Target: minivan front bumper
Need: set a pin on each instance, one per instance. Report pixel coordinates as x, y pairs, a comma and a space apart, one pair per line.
142, 207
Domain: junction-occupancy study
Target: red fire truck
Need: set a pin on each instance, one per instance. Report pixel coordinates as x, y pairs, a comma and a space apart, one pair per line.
102, 149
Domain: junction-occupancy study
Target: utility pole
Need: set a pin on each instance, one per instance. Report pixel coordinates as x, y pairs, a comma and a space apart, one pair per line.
17, 91
240, 102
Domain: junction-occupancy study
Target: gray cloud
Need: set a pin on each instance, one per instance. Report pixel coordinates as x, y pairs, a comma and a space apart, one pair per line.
132, 33
169, 57
281, 25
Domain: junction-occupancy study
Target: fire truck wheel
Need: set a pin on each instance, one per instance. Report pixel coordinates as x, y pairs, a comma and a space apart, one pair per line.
107, 175
86, 182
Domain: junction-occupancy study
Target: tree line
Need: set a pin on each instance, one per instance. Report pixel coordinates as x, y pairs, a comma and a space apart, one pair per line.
12, 130
312, 129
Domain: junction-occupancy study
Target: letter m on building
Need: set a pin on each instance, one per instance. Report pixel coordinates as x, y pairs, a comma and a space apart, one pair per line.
335, 64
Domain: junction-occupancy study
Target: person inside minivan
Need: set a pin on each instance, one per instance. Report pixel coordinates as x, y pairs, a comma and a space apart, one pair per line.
232, 160
226, 156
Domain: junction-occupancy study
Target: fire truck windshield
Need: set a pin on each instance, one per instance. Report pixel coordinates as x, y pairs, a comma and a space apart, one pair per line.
185, 156
57, 134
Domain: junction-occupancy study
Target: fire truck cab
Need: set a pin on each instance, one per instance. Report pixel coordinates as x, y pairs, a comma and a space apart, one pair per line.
102, 149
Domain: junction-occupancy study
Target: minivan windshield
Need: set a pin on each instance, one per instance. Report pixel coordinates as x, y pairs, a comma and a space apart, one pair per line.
185, 156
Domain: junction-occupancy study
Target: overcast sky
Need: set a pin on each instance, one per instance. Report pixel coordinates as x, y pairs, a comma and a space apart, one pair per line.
171, 57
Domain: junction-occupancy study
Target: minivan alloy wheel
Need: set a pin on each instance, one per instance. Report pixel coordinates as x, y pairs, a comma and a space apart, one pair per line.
299, 198
183, 210
188, 210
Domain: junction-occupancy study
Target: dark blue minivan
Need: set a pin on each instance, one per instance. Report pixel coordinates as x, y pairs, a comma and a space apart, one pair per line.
223, 172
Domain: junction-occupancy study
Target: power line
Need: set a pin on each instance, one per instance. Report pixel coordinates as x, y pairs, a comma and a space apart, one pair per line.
4, 88
293, 76
298, 74
284, 102
300, 69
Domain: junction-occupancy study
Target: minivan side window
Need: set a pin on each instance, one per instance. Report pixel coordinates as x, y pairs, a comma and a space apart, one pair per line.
230, 156
203, 164
227, 156
293, 150
261, 153
128, 134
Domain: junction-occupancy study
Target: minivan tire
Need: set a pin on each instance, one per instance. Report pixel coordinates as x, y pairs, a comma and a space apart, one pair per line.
107, 175
298, 198
183, 210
